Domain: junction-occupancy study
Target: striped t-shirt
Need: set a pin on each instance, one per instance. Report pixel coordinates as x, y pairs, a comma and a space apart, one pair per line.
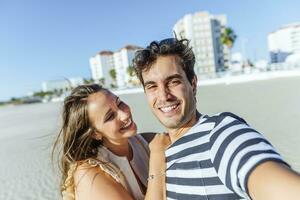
213, 160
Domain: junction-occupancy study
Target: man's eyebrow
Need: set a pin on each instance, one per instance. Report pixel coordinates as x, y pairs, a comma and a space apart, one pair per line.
149, 83
178, 76
169, 78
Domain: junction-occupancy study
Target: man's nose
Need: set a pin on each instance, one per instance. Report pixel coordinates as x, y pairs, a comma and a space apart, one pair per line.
164, 93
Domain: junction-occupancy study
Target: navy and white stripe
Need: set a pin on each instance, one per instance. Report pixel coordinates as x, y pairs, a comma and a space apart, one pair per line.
213, 160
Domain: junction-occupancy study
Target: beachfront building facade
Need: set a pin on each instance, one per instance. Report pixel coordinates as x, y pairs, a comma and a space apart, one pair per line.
122, 61
62, 85
284, 42
204, 32
101, 64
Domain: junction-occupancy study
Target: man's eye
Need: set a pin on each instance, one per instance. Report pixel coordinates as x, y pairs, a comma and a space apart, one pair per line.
174, 82
150, 87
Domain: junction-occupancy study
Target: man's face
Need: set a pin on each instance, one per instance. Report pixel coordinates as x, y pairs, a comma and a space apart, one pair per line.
169, 93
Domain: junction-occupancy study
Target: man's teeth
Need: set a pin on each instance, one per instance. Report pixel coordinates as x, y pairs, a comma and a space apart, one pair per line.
127, 125
168, 108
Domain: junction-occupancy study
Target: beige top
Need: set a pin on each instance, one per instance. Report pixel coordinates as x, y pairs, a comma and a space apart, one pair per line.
139, 164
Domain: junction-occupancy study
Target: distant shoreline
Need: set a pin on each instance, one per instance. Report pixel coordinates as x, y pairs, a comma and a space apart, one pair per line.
229, 79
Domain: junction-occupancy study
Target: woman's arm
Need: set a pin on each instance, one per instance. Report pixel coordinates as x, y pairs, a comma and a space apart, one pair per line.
156, 181
157, 168
94, 184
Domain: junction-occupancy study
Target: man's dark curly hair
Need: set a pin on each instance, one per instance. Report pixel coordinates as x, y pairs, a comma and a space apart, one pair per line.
144, 58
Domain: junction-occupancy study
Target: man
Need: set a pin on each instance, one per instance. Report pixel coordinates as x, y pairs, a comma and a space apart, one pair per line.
210, 157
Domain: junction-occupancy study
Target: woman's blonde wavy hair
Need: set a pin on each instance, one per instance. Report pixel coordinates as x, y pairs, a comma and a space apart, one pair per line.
74, 143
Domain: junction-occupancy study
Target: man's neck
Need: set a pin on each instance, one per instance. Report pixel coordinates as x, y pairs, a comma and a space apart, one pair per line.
175, 134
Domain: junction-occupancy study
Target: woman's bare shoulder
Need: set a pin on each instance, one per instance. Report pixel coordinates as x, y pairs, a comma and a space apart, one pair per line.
86, 173
93, 183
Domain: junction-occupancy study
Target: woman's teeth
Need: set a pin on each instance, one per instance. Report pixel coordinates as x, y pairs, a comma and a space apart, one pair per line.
127, 124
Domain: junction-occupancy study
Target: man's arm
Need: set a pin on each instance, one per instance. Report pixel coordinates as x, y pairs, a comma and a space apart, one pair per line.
272, 180
248, 164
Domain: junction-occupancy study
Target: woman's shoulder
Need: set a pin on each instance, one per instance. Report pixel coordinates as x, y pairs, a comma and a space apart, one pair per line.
92, 181
88, 175
86, 172
94, 167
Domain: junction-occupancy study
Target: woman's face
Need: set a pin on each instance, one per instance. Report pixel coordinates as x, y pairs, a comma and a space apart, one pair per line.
111, 117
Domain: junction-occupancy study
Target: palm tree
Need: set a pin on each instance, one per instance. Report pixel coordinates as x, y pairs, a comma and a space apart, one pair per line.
228, 37
113, 74
102, 81
130, 71
88, 81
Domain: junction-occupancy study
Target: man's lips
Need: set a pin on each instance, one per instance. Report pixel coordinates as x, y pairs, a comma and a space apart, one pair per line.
168, 108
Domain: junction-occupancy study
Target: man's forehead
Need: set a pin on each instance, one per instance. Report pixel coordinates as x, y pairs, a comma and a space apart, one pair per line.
162, 68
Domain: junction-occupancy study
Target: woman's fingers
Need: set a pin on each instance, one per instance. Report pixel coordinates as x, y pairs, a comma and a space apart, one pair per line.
160, 142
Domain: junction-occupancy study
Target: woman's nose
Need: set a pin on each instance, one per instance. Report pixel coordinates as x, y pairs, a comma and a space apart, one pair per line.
124, 114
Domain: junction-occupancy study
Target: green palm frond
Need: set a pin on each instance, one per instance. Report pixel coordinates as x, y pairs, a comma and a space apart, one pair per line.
228, 37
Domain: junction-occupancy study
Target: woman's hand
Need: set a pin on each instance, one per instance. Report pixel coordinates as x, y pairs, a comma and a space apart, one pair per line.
157, 167
160, 142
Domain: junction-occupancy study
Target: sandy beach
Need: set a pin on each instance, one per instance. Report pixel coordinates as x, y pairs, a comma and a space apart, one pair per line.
271, 106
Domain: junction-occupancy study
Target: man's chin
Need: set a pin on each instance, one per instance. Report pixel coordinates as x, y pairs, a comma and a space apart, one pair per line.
170, 123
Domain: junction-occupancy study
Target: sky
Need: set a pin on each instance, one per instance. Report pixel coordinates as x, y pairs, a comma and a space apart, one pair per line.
54, 39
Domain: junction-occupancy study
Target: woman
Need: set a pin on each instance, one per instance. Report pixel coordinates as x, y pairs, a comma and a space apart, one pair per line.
102, 156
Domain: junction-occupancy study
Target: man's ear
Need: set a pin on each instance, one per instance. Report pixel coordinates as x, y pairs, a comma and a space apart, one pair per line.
194, 84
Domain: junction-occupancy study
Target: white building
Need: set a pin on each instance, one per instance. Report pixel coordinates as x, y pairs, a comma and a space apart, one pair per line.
293, 60
236, 62
100, 65
122, 60
61, 85
284, 42
262, 65
204, 31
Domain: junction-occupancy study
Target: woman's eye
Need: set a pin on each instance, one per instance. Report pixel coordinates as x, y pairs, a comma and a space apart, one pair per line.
110, 117
119, 103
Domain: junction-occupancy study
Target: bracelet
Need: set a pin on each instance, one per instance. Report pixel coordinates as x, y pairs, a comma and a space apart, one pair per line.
153, 176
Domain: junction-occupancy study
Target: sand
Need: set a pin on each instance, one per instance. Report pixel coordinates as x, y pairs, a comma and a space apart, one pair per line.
26, 138
27, 131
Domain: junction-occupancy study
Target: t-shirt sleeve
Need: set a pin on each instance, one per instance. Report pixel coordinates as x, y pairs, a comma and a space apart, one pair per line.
236, 149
